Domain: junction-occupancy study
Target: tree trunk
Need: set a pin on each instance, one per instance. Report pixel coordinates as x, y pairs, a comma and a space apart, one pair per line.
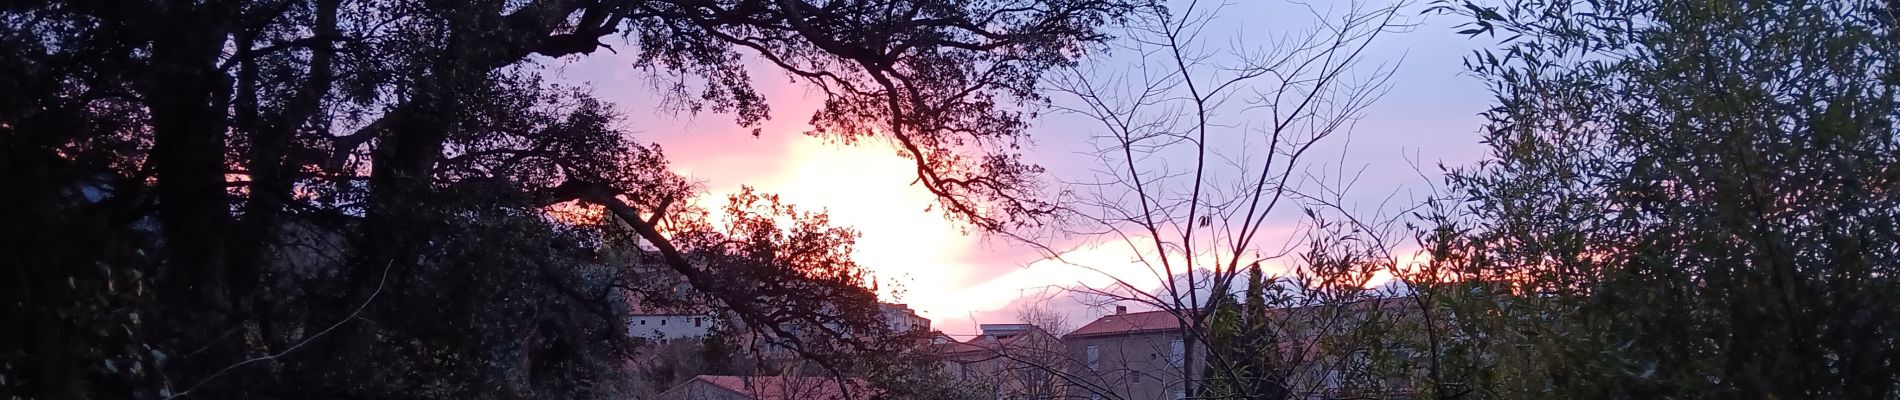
188, 99
188, 96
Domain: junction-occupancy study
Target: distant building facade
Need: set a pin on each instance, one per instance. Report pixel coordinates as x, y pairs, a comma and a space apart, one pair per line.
1136, 356
670, 326
900, 318
1144, 355
1381, 324
1015, 361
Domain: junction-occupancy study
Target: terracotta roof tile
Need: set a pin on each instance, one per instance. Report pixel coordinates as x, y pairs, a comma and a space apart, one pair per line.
1129, 323
1153, 321
956, 347
990, 344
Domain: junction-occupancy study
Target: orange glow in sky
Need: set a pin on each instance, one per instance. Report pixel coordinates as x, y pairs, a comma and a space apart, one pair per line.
958, 280
912, 250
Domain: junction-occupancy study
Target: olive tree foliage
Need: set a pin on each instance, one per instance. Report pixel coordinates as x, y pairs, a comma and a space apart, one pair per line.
1204, 152
1683, 199
230, 198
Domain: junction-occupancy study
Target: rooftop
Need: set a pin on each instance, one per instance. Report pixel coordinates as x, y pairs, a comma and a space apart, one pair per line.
1163, 320
993, 340
1138, 322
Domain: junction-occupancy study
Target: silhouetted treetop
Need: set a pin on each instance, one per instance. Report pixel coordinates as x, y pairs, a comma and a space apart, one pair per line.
323, 181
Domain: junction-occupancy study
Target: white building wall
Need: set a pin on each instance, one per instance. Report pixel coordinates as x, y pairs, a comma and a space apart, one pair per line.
664, 327
899, 317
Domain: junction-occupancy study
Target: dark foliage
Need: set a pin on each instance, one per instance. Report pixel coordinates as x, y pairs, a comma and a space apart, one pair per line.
1685, 199
338, 198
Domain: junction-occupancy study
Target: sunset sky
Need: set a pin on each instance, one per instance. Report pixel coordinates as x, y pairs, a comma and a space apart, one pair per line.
959, 280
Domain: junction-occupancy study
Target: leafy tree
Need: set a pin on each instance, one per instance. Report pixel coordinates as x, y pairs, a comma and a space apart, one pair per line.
1242, 331
1684, 199
252, 198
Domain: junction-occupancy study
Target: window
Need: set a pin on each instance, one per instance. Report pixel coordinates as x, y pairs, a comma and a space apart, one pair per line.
643, 321
1095, 358
696, 322
662, 321
1177, 352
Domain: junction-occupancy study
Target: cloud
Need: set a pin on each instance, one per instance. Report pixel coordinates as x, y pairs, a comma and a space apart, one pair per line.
955, 278
1074, 308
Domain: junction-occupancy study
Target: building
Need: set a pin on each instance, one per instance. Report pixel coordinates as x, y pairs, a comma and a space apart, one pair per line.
719, 387
938, 337
670, 326
1143, 355
1137, 356
900, 318
1015, 361
1386, 326
897, 319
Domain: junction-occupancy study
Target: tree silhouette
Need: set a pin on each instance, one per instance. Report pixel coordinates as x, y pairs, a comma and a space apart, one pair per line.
219, 181
1683, 199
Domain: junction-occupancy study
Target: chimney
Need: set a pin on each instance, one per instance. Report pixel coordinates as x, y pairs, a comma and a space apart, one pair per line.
1119, 310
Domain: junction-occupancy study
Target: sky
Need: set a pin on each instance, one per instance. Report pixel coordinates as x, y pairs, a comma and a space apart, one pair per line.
960, 278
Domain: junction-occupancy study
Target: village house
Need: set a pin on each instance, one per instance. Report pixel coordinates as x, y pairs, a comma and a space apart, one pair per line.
1129, 356
1143, 355
1015, 361
670, 326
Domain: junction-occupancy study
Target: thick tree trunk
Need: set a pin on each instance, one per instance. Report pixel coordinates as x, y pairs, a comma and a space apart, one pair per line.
269, 168
188, 97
